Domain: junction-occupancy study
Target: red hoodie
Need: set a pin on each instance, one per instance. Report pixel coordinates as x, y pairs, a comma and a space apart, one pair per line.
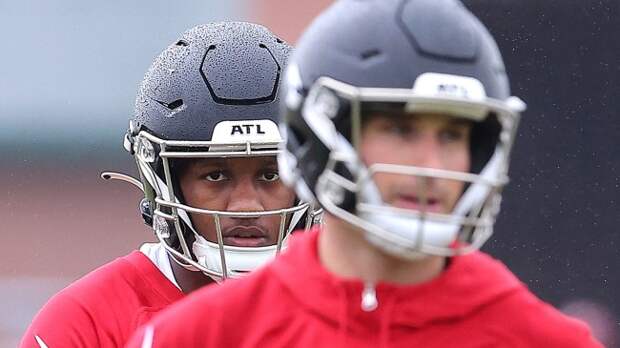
295, 302
103, 308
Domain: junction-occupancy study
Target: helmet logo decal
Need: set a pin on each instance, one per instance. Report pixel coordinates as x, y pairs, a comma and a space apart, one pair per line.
239, 129
452, 89
451, 86
242, 131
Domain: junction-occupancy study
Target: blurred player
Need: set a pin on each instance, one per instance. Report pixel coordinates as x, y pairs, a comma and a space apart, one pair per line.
399, 122
205, 139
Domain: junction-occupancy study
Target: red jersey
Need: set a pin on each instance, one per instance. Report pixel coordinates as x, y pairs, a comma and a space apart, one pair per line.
295, 302
103, 308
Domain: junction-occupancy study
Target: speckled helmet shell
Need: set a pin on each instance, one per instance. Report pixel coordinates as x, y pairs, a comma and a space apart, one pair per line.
211, 94
216, 71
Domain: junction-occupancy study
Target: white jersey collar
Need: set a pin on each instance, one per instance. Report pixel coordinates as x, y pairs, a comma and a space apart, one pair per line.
158, 255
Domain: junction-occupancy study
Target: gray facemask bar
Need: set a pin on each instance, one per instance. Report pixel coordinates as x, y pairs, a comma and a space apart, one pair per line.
282, 231
481, 219
478, 224
165, 195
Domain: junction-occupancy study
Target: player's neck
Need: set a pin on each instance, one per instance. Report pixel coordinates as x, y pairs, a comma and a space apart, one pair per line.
344, 251
188, 280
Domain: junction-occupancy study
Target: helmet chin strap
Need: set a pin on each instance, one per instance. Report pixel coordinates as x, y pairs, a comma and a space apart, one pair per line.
414, 232
239, 260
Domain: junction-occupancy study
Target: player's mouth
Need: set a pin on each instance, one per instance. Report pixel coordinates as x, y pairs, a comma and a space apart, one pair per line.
246, 236
412, 202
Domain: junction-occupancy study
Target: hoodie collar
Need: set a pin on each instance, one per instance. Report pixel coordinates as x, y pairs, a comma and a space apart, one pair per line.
470, 282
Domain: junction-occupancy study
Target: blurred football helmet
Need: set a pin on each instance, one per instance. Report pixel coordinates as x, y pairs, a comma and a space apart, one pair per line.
212, 93
397, 56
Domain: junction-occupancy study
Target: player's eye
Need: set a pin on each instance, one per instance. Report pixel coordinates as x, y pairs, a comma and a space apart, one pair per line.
269, 176
402, 130
454, 134
216, 176
397, 127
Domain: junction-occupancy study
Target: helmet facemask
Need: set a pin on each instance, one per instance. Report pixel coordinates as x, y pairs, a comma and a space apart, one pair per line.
346, 187
172, 217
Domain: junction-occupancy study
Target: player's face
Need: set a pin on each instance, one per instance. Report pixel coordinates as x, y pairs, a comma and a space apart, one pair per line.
422, 140
236, 185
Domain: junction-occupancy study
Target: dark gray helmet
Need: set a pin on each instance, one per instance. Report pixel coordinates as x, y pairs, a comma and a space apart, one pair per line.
219, 71
430, 56
212, 93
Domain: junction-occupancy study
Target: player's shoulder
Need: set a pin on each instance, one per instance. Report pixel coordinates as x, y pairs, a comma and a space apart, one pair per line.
106, 278
72, 310
63, 312
236, 305
95, 292
99, 281
529, 321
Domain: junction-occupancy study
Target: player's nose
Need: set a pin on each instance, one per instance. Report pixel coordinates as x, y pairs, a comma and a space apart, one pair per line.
245, 196
426, 152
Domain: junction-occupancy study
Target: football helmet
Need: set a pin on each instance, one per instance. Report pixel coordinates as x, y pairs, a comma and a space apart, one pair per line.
211, 94
397, 56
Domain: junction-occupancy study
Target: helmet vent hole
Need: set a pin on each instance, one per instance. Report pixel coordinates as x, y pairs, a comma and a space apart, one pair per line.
373, 52
172, 105
175, 104
182, 43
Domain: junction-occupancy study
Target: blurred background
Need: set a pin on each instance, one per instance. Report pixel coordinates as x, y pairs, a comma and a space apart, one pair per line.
69, 71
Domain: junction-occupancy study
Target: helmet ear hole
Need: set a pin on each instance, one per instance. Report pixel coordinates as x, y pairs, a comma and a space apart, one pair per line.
342, 121
175, 104
483, 141
178, 166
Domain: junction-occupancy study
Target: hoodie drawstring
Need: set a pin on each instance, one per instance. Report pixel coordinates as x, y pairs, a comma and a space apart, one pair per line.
369, 297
